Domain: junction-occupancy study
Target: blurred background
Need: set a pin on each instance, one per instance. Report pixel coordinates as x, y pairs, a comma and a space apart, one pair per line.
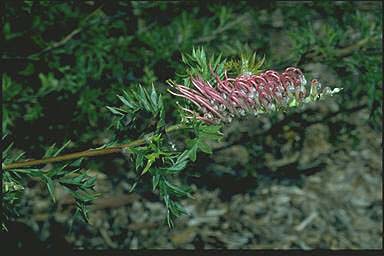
311, 178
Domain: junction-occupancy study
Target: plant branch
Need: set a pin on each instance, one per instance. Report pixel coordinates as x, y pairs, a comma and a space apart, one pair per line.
340, 52
349, 49
343, 52
57, 44
86, 153
229, 25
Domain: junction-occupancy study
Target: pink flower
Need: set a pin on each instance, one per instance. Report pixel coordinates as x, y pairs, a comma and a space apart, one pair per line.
235, 97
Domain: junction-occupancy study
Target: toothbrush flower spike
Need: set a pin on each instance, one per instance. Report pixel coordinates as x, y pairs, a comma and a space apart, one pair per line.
229, 98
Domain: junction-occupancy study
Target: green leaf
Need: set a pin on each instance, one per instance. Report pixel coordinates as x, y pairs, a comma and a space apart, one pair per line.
154, 97
204, 147
35, 173
62, 148
155, 181
125, 102
51, 187
177, 167
176, 190
192, 152
139, 160
5, 151
84, 197
147, 166
89, 183
183, 156
116, 111
82, 209
177, 209
129, 100
19, 156
213, 130
144, 99
77, 162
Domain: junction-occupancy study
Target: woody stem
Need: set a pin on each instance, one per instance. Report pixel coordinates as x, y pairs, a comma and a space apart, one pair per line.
85, 153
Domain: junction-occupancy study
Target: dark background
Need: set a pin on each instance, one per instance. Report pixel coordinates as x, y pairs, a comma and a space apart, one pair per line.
306, 179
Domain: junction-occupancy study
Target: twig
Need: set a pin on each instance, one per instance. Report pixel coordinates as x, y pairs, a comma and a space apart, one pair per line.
55, 44
348, 50
342, 52
212, 36
59, 43
109, 202
305, 222
86, 153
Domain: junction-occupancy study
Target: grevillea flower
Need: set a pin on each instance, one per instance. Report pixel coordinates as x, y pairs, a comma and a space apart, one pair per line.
247, 94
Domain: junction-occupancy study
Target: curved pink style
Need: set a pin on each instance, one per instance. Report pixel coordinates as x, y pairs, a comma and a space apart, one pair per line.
231, 97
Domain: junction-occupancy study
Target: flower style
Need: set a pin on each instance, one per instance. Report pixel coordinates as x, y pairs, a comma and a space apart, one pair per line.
247, 94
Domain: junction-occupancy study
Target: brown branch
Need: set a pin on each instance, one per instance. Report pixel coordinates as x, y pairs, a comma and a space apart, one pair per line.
109, 202
86, 153
348, 50
341, 52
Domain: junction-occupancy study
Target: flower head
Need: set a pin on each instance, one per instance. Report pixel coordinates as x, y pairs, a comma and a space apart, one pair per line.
247, 94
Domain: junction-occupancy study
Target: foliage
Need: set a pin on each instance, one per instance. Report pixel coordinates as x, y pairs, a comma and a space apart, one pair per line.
159, 158
324, 43
65, 61
198, 64
69, 175
248, 64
